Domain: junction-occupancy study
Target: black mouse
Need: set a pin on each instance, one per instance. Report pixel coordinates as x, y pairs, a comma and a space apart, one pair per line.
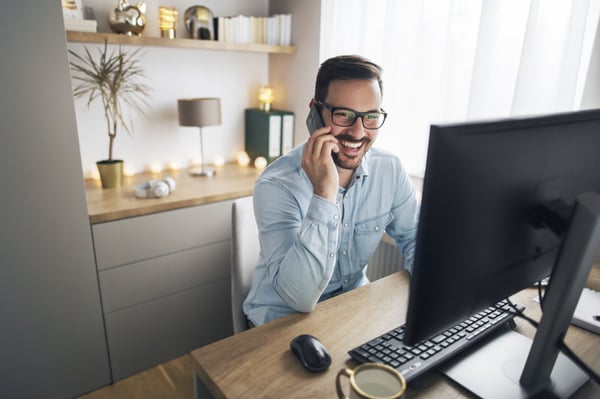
311, 352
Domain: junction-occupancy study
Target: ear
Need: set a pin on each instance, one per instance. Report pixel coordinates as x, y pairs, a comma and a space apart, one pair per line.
312, 102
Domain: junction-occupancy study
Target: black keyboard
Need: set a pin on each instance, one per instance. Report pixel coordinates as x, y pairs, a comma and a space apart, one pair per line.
412, 361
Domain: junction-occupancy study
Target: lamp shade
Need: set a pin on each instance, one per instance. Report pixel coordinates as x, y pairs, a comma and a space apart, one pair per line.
199, 112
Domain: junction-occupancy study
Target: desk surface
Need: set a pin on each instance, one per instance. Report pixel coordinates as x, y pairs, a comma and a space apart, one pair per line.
258, 363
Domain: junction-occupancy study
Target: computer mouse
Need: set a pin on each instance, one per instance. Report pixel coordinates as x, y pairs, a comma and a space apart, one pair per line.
311, 353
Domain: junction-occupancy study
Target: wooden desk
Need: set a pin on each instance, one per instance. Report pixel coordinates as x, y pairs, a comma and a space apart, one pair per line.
258, 363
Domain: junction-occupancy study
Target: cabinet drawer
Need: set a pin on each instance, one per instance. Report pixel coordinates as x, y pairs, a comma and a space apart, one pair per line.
134, 239
140, 282
140, 337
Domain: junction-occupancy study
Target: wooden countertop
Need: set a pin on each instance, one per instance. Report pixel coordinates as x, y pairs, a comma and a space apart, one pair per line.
231, 181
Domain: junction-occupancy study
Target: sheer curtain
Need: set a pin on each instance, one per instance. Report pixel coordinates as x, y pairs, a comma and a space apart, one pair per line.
456, 60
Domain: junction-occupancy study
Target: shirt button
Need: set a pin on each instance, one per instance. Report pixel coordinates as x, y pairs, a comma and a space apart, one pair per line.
345, 224
376, 228
345, 281
336, 217
331, 254
344, 252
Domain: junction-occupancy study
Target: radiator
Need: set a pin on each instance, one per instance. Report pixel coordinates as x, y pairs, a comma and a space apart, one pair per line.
386, 260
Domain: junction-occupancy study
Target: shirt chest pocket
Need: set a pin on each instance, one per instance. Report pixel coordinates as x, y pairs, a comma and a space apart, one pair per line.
367, 235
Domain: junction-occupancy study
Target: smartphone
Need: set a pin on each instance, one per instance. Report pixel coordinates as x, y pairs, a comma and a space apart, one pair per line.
314, 120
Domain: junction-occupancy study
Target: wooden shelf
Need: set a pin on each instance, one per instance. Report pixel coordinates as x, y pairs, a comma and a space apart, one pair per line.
113, 38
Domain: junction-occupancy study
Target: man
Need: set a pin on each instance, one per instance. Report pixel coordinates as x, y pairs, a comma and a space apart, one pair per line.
322, 208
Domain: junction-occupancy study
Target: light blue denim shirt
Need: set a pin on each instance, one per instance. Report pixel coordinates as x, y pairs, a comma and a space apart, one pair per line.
313, 249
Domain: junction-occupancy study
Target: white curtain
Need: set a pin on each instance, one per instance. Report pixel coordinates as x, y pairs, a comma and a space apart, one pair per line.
456, 60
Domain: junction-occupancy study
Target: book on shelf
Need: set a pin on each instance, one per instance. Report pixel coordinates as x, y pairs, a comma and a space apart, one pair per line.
81, 25
275, 30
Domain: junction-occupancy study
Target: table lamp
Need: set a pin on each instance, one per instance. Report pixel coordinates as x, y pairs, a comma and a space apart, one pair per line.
200, 112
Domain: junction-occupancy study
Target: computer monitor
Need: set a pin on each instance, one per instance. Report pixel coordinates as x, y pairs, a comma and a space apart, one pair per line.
497, 206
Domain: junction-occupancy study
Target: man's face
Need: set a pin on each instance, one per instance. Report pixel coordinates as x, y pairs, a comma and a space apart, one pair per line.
354, 140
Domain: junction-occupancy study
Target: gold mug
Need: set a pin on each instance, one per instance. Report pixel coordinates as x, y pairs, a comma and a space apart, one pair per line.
372, 381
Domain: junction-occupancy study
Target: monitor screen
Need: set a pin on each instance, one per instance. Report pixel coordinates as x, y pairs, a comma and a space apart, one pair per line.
479, 239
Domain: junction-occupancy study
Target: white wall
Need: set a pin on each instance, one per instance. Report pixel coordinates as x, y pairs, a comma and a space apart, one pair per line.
177, 73
293, 77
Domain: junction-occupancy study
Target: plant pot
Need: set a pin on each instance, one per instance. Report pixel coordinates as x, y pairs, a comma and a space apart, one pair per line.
111, 173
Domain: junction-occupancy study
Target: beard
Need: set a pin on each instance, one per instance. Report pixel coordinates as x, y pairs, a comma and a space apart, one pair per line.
350, 163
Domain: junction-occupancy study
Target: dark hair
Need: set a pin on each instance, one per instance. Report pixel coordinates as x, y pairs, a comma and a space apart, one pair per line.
345, 67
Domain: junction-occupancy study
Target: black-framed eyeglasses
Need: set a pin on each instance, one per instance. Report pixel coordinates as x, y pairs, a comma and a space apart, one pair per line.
346, 117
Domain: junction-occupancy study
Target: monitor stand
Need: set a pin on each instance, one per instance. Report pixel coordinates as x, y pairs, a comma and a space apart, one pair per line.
516, 367
493, 369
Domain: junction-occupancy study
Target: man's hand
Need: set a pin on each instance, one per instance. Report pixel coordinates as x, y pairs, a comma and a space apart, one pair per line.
318, 163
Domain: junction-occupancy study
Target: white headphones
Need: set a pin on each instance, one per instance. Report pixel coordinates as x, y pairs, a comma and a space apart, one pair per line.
155, 188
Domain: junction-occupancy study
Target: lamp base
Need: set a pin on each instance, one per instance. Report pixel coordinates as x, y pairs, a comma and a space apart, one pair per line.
202, 171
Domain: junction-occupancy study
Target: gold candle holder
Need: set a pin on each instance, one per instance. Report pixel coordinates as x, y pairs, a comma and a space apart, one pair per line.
167, 21
265, 97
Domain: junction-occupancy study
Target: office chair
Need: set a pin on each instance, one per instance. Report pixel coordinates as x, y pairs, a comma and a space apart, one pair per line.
245, 249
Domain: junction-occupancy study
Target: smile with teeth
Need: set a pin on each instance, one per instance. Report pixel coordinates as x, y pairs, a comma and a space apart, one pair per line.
351, 144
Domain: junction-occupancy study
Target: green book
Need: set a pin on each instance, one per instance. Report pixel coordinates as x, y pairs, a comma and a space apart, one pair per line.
268, 134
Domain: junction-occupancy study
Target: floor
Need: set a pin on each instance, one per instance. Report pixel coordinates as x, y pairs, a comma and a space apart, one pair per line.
169, 380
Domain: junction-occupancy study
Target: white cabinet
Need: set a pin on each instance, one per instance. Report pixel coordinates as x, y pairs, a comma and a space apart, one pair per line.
164, 281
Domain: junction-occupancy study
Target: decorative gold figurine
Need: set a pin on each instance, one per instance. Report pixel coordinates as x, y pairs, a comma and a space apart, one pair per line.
128, 19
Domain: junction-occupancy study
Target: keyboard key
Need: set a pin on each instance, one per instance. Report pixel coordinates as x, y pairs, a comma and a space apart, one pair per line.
439, 338
362, 353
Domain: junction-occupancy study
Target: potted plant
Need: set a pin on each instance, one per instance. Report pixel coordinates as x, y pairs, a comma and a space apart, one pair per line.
116, 79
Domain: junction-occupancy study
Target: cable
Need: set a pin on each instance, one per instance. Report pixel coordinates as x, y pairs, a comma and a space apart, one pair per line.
540, 294
519, 313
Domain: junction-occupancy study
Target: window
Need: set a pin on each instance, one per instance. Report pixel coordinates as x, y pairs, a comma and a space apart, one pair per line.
456, 60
